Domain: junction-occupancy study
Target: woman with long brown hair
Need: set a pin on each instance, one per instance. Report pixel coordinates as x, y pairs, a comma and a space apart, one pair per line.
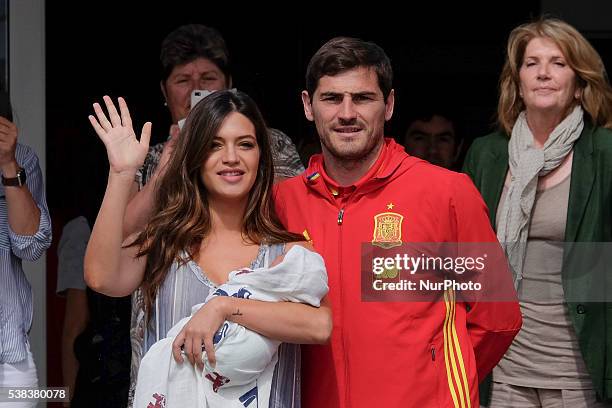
213, 215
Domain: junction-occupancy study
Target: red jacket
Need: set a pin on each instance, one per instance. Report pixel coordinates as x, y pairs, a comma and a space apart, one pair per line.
395, 354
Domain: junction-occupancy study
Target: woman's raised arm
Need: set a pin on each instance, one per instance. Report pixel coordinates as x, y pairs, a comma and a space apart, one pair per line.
110, 268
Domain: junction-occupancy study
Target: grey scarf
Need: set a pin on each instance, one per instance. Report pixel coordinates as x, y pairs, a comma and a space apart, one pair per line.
527, 164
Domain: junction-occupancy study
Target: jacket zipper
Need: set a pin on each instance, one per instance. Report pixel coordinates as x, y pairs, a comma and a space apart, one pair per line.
340, 220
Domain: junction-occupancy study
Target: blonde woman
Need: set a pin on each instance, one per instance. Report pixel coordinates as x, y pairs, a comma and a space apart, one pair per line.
546, 177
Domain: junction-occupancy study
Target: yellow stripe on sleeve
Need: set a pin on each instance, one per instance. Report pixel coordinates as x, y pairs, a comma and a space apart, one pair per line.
451, 385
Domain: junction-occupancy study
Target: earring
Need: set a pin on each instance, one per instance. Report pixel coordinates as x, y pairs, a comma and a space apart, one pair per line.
165, 103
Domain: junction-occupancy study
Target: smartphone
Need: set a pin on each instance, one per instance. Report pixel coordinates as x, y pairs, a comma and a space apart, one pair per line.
197, 95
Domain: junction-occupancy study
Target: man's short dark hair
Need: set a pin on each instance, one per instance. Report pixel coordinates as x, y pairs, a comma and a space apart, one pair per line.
190, 42
425, 113
341, 54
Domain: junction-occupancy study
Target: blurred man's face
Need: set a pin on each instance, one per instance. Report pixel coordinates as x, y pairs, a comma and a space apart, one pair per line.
433, 141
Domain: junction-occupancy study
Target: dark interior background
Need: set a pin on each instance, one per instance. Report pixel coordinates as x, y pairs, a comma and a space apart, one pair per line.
451, 56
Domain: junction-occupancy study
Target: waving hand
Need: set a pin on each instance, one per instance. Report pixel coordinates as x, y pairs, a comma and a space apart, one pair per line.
125, 153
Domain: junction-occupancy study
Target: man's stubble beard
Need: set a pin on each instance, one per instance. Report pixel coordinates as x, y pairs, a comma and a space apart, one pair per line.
353, 159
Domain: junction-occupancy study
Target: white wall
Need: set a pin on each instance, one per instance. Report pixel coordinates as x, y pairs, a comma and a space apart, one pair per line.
27, 89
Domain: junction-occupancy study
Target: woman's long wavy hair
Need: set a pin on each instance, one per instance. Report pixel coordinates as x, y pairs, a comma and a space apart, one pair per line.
591, 78
182, 217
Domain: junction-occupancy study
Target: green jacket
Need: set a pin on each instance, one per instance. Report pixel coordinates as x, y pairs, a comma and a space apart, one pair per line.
589, 219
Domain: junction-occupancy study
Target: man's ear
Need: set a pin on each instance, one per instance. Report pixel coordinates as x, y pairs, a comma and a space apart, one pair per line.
307, 106
389, 105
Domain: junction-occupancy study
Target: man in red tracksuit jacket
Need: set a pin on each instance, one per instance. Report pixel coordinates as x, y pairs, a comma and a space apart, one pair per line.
387, 354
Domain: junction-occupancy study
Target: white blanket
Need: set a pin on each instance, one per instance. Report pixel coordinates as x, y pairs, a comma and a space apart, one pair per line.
245, 359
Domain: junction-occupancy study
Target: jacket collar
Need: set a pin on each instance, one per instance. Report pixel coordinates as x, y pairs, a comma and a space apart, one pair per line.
581, 185
495, 176
386, 165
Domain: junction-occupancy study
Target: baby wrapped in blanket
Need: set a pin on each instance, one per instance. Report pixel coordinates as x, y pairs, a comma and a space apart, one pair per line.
245, 359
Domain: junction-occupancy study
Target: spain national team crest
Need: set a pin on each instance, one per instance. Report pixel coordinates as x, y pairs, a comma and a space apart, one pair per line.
387, 230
